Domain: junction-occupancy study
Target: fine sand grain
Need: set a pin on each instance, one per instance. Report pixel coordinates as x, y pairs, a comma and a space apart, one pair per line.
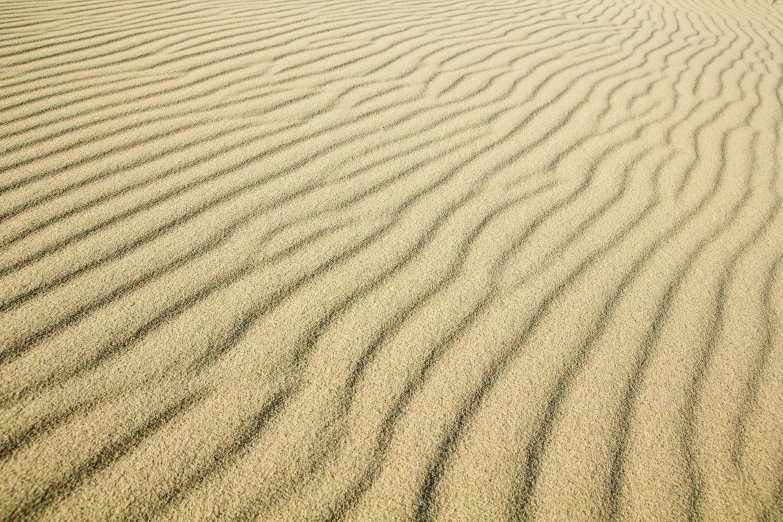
391, 260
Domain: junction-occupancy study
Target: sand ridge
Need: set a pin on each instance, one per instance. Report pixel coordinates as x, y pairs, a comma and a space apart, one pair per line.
415, 259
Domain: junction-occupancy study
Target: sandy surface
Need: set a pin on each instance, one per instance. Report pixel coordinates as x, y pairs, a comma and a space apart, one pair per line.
412, 259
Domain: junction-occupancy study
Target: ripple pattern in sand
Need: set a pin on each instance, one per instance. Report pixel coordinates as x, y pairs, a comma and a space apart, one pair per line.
416, 259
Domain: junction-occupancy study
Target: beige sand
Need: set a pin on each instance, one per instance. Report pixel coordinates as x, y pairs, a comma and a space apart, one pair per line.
389, 260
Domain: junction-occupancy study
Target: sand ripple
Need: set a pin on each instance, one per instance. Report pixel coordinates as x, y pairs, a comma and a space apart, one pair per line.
415, 259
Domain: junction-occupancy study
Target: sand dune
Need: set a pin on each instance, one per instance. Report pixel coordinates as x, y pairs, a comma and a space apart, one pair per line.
415, 259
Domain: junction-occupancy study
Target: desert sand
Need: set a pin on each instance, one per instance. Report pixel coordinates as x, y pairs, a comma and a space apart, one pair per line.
391, 260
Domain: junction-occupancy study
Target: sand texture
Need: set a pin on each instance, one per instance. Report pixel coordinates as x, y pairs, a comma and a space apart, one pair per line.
391, 260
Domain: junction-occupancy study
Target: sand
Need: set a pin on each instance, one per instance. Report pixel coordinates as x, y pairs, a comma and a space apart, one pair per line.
391, 260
